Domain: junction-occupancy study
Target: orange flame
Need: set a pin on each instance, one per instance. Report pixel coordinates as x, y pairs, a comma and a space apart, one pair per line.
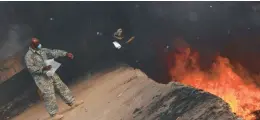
221, 80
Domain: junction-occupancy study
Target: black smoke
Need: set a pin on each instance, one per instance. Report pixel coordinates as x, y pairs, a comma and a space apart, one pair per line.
208, 27
231, 28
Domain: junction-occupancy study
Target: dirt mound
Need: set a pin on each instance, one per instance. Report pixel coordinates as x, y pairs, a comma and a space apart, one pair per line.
128, 94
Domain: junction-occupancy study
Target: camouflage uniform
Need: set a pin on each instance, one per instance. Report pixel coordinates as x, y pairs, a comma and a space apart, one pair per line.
47, 85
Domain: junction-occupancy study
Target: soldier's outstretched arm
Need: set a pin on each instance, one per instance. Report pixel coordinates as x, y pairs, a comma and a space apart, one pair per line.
55, 53
33, 66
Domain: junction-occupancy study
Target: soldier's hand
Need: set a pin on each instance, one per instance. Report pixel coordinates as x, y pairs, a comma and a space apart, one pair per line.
47, 68
70, 55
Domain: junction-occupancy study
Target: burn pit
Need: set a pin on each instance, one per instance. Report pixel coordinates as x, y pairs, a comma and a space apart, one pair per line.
229, 81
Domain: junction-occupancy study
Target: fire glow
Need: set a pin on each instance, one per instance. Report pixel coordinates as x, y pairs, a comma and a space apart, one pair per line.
240, 93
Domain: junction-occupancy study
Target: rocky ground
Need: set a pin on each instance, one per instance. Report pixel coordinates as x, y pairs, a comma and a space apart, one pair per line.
128, 94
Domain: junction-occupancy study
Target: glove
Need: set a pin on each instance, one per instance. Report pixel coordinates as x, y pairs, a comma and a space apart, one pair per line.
117, 45
70, 55
47, 68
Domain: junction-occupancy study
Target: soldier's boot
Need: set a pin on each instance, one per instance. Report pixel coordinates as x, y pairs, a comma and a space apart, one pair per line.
57, 117
76, 103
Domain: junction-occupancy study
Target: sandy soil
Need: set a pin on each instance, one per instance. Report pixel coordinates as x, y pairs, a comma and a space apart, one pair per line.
115, 95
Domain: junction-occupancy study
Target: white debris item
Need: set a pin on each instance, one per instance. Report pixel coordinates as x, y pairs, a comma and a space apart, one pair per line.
117, 45
55, 65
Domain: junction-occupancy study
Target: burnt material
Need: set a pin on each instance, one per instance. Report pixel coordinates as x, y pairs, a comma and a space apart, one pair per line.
185, 103
17, 94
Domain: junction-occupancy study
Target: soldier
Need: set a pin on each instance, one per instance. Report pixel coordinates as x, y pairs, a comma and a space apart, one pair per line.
119, 37
34, 59
124, 53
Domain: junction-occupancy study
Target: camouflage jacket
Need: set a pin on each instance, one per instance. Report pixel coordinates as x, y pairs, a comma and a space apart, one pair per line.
35, 59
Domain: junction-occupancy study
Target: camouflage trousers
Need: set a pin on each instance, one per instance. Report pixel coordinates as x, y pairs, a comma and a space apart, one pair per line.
48, 86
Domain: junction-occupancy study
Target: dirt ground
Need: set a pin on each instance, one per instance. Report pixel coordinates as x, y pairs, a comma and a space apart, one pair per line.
128, 94
115, 95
